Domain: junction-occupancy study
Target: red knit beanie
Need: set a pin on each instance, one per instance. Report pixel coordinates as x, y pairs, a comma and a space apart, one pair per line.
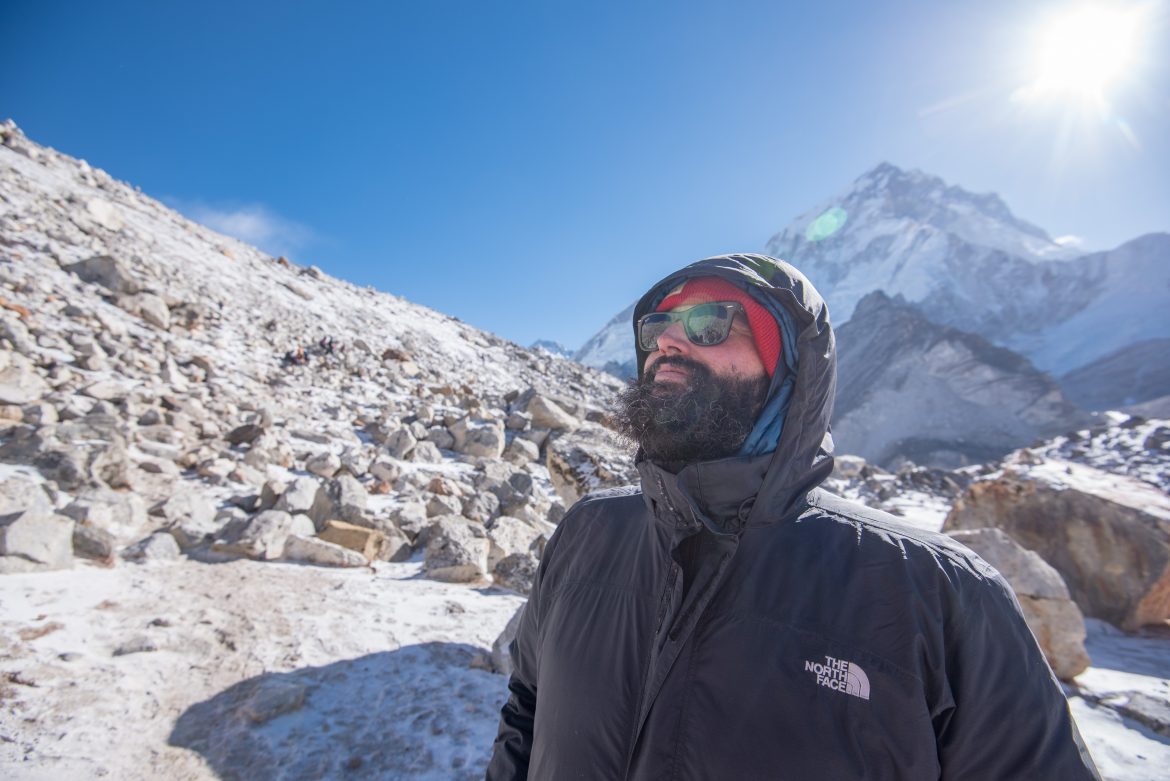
765, 331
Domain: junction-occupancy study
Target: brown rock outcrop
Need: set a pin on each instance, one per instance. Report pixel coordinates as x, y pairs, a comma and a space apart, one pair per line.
1107, 535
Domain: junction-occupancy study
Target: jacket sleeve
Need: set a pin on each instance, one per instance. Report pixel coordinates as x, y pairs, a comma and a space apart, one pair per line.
1008, 717
513, 746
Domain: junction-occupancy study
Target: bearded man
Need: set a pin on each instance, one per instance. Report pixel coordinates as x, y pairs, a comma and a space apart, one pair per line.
731, 620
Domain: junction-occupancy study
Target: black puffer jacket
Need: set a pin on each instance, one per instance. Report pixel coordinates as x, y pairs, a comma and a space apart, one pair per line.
735, 622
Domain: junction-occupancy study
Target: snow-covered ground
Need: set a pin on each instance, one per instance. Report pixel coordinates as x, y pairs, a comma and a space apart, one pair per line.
247, 670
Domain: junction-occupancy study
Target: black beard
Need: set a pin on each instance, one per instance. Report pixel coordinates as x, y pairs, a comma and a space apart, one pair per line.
708, 419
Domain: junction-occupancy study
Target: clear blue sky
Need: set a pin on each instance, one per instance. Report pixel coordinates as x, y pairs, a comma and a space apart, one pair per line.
530, 167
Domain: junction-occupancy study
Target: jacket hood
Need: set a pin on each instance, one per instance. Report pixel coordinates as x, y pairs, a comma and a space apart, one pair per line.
794, 423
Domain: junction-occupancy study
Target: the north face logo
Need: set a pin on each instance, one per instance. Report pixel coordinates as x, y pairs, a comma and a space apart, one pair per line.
840, 675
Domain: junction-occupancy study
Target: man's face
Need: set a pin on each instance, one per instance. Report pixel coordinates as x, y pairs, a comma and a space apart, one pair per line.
735, 357
695, 403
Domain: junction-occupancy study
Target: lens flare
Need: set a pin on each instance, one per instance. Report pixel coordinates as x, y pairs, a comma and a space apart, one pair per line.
824, 226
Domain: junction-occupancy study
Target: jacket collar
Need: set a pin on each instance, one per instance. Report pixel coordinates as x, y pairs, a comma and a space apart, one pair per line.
716, 494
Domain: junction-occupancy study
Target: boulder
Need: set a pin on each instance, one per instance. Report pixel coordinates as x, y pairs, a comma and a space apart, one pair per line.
348, 498
385, 470
521, 451
121, 513
1050, 612
106, 271
313, 550
305, 495
36, 541
426, 452
502, 647
153, 310
475, 437
516, 572
18, 494
368, 542
190, 517
324, 464
1107, 535
265, 535
589, 459
456, 550
550, 415
399, 443
93, 543
481, 506
510, 535
245, 434
160, 546
20, 383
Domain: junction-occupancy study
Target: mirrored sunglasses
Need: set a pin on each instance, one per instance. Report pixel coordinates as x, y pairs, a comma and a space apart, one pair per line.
705, 324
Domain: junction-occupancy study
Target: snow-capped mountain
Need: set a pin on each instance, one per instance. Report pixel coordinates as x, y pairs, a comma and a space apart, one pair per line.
965, 261
612, 348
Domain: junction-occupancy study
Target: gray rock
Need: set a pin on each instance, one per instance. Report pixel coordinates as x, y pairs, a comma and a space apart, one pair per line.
456, 550
548, 414
426, 452
1051, 614
324, 464
443, 505
266, 534
348, 497
273, 696
152, 309
482, 438
502, 647
185, 506
317, 551
93, 543
158, 547
106, 271
518, 421
16, 332
245, 434
305, 495
44, 539
122, 514
481, 506
18, 495
411, 517
510, 535
521, 451
516, 572
20, 383
441, 437
387, 471
399, 443
589, 459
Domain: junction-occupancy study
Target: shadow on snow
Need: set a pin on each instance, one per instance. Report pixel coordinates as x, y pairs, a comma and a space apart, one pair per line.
420, 712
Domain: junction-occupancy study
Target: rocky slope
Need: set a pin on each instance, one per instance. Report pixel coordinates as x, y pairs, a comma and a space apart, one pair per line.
164, 378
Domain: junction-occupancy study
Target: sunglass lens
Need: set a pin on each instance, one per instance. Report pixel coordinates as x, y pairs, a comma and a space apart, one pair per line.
708, 324
651, 327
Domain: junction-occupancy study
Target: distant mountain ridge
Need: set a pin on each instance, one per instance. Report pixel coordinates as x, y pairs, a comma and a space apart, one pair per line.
965, 261
911, 389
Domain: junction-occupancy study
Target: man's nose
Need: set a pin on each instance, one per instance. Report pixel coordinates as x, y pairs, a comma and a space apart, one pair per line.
674, 339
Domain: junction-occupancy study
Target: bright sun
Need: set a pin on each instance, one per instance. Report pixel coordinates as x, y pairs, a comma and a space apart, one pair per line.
1085, 51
